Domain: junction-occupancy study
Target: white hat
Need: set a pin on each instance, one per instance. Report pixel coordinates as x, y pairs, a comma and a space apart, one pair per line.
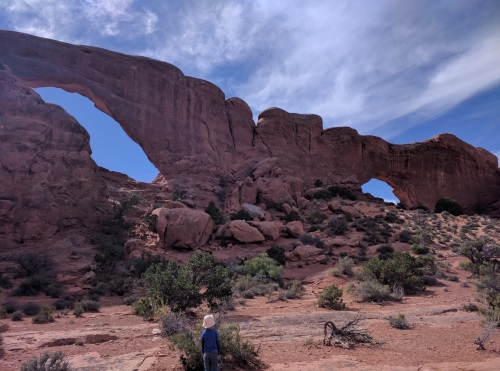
208, 321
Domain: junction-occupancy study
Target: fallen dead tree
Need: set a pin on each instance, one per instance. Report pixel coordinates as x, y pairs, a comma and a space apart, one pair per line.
349, 334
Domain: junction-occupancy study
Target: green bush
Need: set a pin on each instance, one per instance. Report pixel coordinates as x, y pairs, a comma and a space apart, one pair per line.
400, 270
392, 217
34, 285
420, 249
45, 315
331, 298
308, 239
47, 362
343, 266
219, 287
5, 282
480, 252
169, 284
30, 308
215, 213
64, 304
294, 290
150, 220
264, 267
292, 216
235, 350
174, 324
242, 215
129, 300
449, 205
10, 307
31, 264
178, 195
17, 315
317, 217
385, 251
337, 226
399, 322
143, 308
277, 253
374, 291
404, 236
90, 305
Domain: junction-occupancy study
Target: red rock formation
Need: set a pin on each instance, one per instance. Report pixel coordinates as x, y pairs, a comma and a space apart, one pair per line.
48, 180
186, 127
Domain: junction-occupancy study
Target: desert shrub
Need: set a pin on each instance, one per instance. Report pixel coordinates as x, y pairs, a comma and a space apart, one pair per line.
174, 324
219, 287
264, 267
45, 315
169, 284
318, 183
10, 307
337, 226
235, 350
308, 239
17, 315
110, 239
178, 195
63, 304
480, 252
376, 229
30, 308
331, 298
317, 217
399, 322
374, 291
292, 216
129, 300
137, 266
294, 290
242, 215
322, 194
470, 307
392, 217
342, 192
447, 204
385, 251
32, 263
215, 213
143, 308
150, 221
55, 289
34, 285
3, 313
47, 362
489, 286
343, 266
78, 311
5, 282
90, 305
420, 249
401, 270
277, 253
405, 236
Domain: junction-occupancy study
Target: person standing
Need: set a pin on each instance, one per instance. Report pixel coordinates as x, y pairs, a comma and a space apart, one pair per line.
210, 344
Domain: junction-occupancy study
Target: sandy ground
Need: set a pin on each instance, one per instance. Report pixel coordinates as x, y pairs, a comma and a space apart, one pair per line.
289, 334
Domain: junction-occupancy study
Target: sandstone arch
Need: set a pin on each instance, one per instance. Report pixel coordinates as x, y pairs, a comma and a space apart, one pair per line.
186, 126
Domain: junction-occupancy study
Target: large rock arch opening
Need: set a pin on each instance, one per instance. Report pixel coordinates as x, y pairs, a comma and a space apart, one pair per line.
111, 147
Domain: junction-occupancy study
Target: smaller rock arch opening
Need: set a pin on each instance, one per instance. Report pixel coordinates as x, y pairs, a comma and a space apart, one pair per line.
111, 147
381, 189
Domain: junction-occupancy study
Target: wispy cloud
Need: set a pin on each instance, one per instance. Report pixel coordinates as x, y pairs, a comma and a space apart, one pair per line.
359, 63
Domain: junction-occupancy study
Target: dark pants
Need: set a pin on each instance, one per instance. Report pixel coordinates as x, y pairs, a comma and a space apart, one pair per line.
210, 361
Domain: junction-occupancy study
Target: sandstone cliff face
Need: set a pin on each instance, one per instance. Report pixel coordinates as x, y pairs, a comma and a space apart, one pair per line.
48, 180
187, 127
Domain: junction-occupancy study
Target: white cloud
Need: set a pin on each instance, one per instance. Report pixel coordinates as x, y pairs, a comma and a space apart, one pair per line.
356, 63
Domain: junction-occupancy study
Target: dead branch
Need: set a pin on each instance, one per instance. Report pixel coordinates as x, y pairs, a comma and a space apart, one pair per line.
489, 327
349, 334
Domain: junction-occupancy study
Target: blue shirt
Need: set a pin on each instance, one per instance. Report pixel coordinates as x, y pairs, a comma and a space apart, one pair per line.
210, 342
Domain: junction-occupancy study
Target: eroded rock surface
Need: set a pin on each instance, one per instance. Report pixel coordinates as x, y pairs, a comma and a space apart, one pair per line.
186, 126
48, 181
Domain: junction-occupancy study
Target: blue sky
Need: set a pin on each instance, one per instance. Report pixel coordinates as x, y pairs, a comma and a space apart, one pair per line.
402, 70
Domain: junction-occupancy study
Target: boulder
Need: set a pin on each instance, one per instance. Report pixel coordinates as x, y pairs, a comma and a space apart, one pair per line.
243, 232
270, 230
295, 228
183, 228
303, 252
